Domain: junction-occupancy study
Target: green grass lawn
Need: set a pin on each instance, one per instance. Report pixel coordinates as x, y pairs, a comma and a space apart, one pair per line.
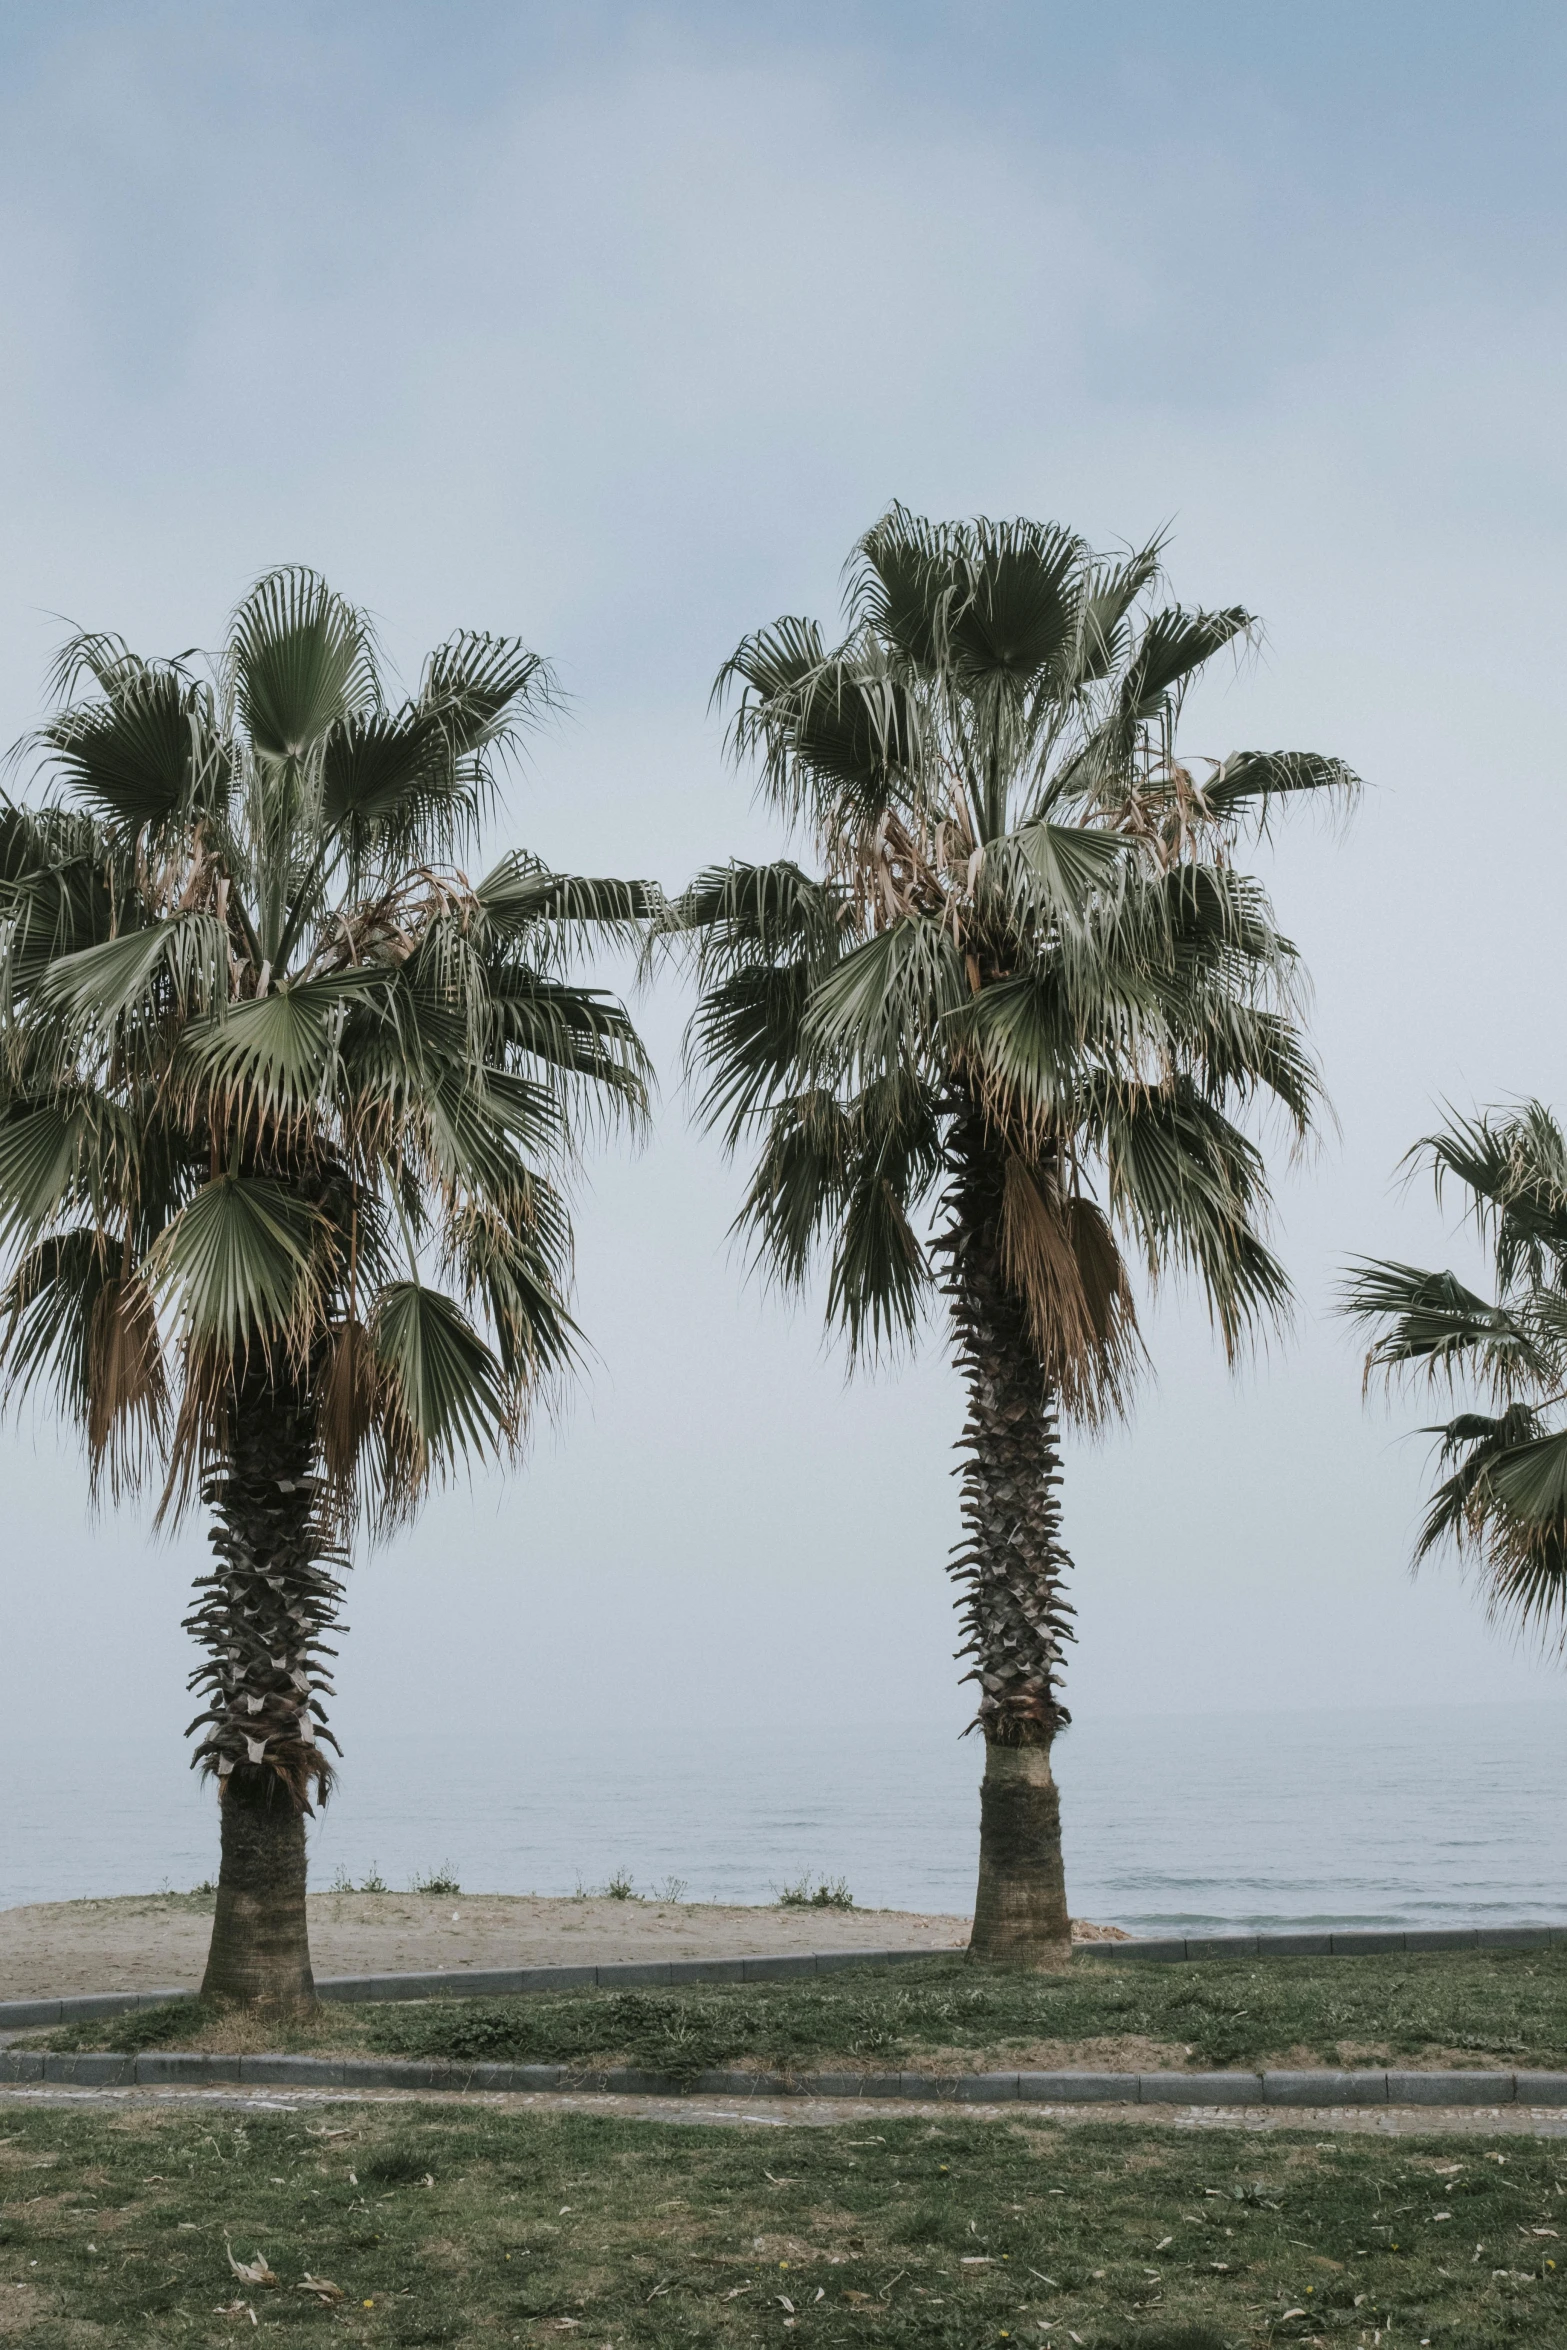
439, 2224
1445, 2008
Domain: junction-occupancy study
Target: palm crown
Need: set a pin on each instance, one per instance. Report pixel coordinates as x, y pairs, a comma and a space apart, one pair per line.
286, 1099
1025, 994
1026, 911
1504, 1502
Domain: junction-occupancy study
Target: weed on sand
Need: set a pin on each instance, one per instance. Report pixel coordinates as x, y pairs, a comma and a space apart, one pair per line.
412, 2224
1479, 2007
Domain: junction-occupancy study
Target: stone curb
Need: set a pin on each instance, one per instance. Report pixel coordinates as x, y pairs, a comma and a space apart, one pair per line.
510, 1982
165, 2068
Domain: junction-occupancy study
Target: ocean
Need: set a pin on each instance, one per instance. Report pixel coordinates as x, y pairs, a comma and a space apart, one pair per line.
1411, 1816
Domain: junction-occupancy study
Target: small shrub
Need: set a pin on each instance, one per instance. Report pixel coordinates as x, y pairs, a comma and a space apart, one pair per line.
673, 1889
342, 1882
817, 1893
619, 1887
441, 1880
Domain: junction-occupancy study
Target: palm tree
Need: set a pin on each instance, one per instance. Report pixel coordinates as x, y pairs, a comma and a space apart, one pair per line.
285, 1106
1022, 996
1503, 1503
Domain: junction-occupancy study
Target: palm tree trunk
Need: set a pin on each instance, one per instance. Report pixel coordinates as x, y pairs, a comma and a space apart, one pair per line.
260, 1950
260, 1619
1011, 1567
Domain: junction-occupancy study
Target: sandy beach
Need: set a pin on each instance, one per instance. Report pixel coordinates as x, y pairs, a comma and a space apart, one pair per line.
140, 1942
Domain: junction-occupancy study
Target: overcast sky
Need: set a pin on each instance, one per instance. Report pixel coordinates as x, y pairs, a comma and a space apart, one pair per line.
614, 326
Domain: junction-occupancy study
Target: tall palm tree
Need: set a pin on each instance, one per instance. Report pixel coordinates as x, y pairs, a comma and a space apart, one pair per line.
1503, 1503
1023, 994
286, 1101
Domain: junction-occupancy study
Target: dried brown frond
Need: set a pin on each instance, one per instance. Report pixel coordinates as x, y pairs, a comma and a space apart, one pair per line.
1060, 1259
349, 1389
200, 1434
127, 1384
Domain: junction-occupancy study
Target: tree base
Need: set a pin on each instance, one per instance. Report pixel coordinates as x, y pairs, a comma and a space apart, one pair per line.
1020, 1912
260, 1950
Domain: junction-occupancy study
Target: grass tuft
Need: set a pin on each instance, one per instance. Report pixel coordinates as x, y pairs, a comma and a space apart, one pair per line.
817, 1893
441, 1880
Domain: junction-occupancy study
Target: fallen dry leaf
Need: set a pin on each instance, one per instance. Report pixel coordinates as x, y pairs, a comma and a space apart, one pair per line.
235, 2309
250, 2272
322, 2287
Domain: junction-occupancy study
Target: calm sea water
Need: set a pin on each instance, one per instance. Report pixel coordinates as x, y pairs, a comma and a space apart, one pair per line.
1411, 1816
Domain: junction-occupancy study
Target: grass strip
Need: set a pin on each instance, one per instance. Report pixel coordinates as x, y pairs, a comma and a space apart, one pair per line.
427, 2225
1443, 2008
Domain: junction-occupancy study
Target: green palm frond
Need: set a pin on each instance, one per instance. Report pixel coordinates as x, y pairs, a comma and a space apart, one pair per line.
1248, 782
836, 733
303, 661
1190, 1188
853, 1176
147, 755
444, 1393
267, 1063
1505, 1501
740, 917
1434, 1319
135, 984
482, 689
42, 1145
883, 1007
240, 1265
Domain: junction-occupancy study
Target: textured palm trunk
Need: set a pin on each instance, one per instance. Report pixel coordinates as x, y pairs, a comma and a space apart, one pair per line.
260, 1617
1011, 1567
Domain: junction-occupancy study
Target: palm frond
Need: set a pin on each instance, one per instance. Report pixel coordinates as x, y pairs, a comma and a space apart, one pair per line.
240, 1265
851, 1177
442, 1391
881, 1009
1435, 1320
1059, 1256
1192, 1189
1248, 782
303, 661
144, 757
